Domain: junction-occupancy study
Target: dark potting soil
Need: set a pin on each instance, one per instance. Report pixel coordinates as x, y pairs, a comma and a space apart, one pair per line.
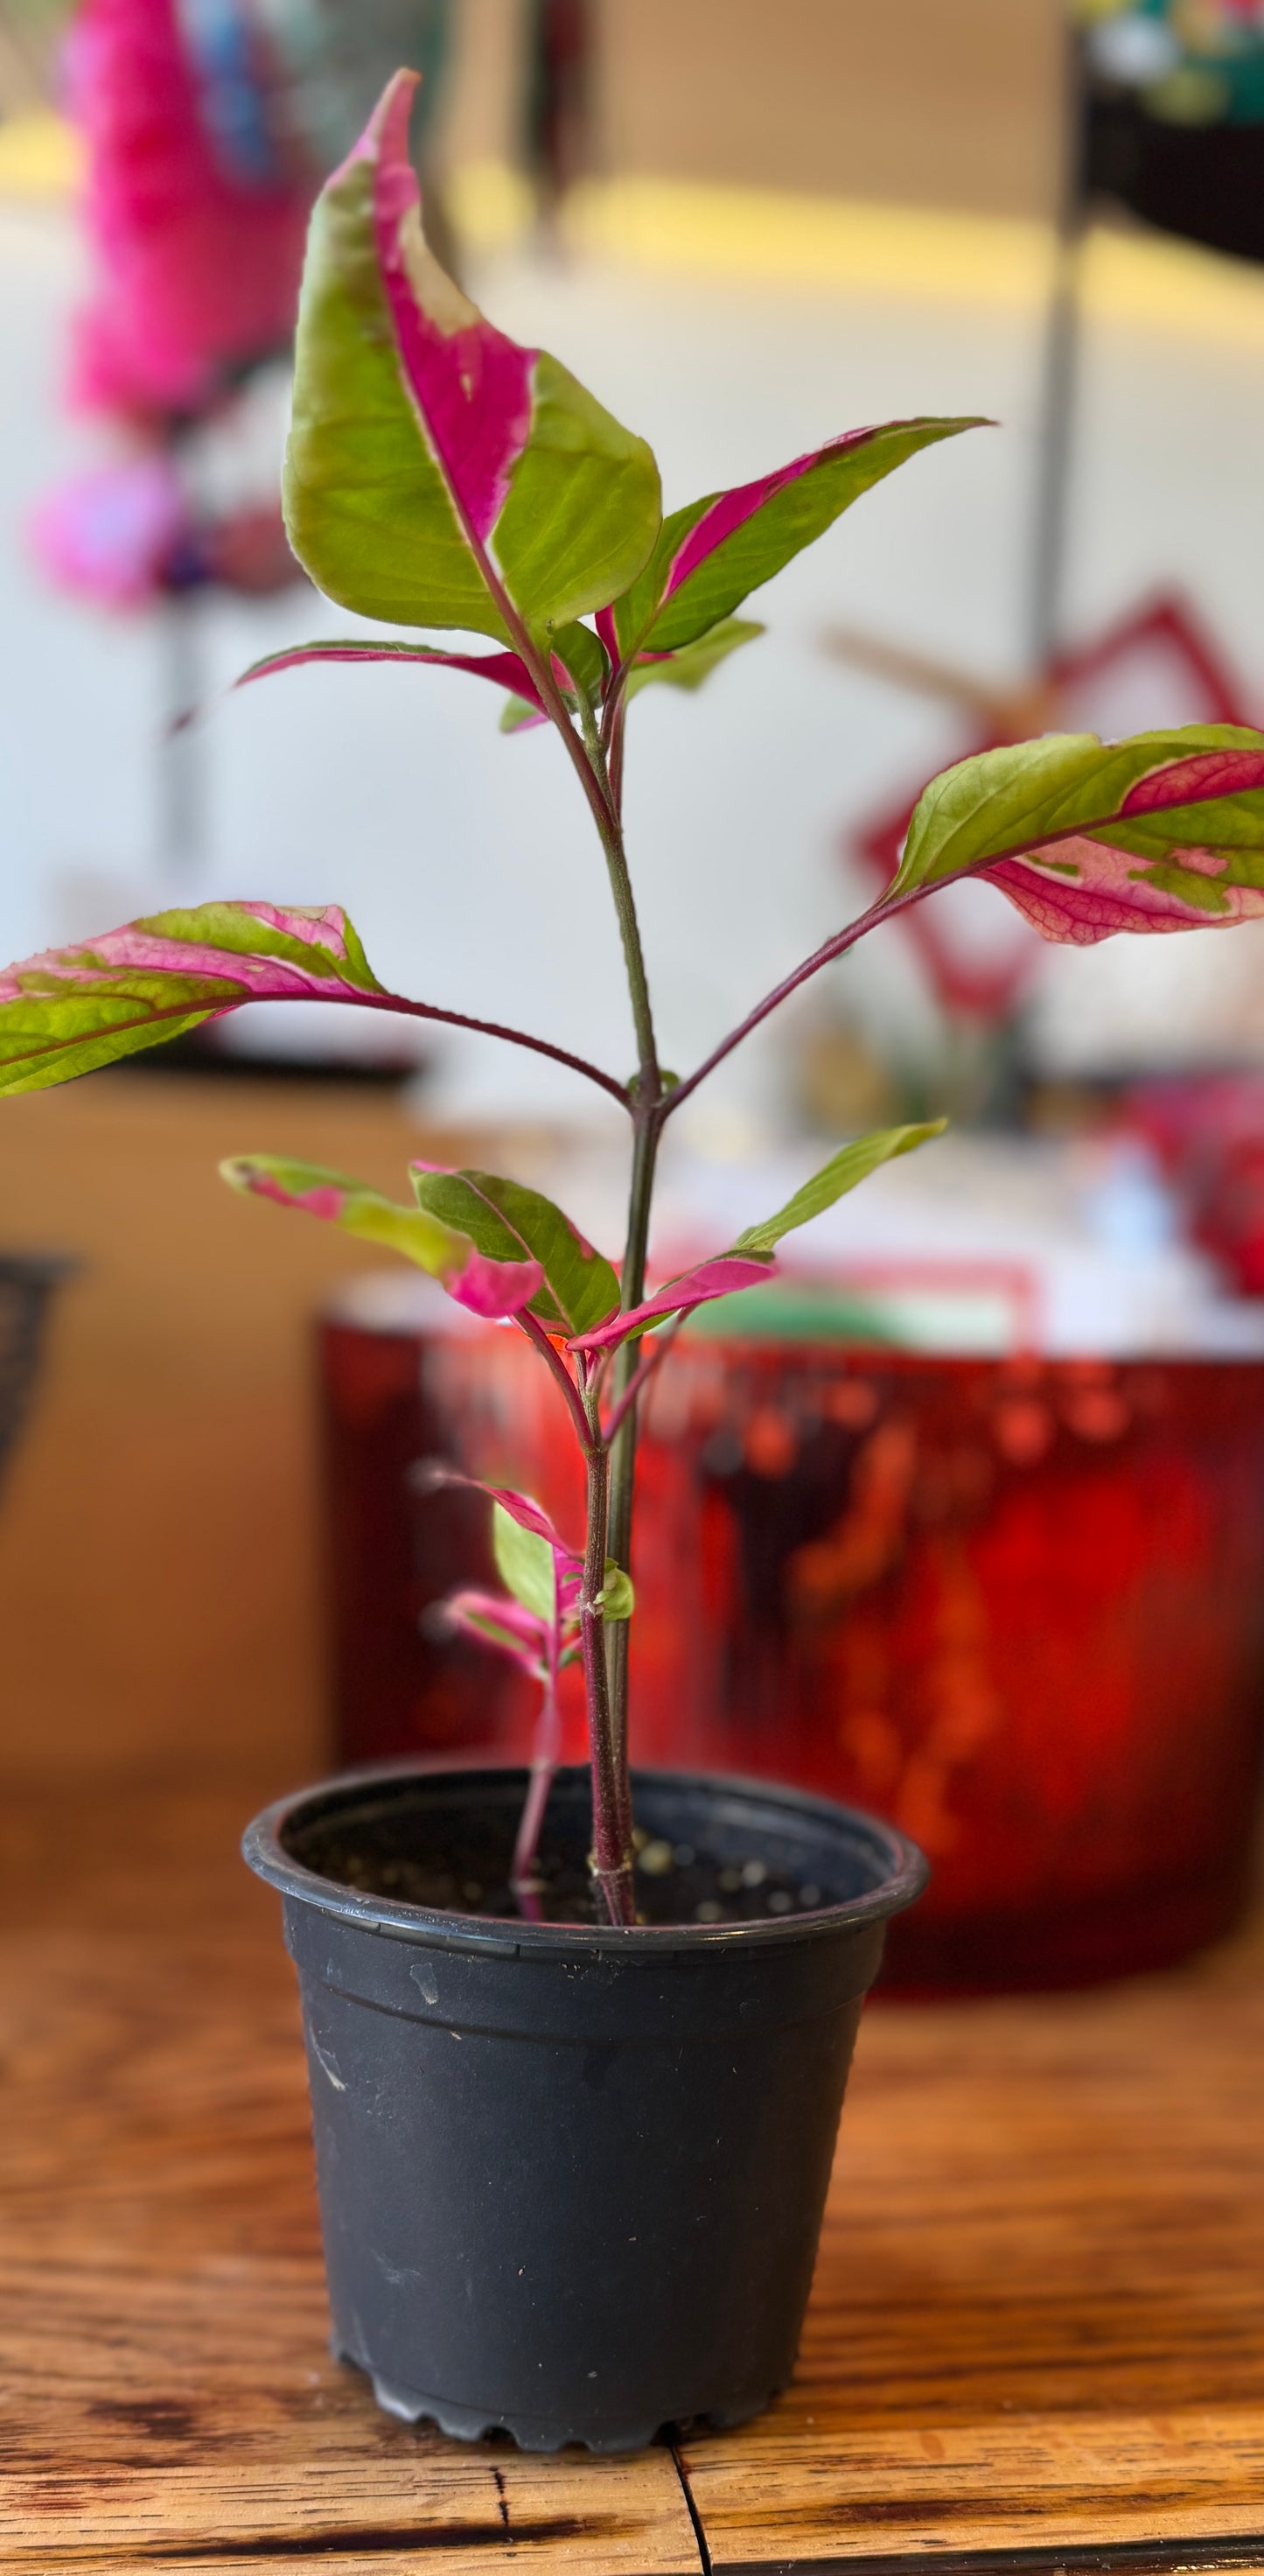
384, 1854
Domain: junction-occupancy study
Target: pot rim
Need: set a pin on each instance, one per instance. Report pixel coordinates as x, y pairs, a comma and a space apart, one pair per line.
507, 1936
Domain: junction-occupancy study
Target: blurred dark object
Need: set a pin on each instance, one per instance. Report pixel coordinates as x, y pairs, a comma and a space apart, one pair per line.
1164, 117
27, 1281
1017, 1606
558, 106
202, 1051
1208, 1130
1173, 119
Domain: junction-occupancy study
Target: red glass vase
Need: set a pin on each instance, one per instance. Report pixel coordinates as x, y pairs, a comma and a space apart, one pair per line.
1015, 1606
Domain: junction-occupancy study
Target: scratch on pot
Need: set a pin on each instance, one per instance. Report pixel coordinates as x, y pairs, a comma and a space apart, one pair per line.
327, 2068
398, 2276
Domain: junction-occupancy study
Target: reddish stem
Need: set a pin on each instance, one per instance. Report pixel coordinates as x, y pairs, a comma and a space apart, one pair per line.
611, 1862
553, 1359
836, 947
523, 1877
640, 1379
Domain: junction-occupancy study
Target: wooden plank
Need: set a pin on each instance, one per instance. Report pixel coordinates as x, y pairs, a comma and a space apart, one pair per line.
169, 2401
1036, 2321
1035, 2341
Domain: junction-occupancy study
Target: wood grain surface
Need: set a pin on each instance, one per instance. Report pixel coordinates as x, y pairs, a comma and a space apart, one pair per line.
1035, 2340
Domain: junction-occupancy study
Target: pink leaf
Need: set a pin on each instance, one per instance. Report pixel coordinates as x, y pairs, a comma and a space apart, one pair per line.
1186, 782
494, 1289
473, 387
258, 951
1109, 895
435, 1474
505, 669
714, 1278
496, 1619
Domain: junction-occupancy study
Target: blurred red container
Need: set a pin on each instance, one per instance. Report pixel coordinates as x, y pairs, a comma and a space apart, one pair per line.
1015, 1606
1208, 1129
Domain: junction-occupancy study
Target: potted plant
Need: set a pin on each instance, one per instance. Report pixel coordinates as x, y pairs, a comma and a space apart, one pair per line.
574, 2143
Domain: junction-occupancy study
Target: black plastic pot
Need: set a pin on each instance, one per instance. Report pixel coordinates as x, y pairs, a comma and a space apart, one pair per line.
572, 2178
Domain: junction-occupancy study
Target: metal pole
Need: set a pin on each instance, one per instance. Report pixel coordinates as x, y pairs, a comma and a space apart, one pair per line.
1061, 370
181, 780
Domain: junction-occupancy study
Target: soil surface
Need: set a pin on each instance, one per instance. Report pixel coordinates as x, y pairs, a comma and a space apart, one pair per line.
386, 1855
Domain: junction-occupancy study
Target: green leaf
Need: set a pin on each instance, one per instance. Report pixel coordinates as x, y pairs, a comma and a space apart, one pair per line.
584, 505
851, 1164
616, 1597
585, 657
508, 1222
518, 714
525, 1563
695, 662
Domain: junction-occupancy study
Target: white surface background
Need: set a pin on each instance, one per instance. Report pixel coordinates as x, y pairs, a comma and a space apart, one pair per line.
465, 858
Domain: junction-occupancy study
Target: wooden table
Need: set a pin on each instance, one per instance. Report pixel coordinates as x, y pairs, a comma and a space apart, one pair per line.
1036, 2339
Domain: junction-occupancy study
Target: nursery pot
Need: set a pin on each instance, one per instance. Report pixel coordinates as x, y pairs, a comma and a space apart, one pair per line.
571, 2177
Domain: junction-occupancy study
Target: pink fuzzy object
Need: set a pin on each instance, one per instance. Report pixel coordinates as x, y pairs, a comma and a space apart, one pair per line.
110, 535
196, 273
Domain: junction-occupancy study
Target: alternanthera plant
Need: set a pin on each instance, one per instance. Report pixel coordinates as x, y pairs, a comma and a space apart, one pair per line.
439, 476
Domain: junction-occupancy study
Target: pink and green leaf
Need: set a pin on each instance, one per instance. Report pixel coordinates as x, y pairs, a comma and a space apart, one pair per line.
714, 552
438, 474
1164, 831
486, 1287
506, 670
73, 1009
718, 1277
511, 1223
527, 1563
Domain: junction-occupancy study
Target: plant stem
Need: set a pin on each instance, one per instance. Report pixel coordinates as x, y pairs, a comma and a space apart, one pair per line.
611, 1861
557, 1367
523, 1878
610, 830
609, 1497
645, 1137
